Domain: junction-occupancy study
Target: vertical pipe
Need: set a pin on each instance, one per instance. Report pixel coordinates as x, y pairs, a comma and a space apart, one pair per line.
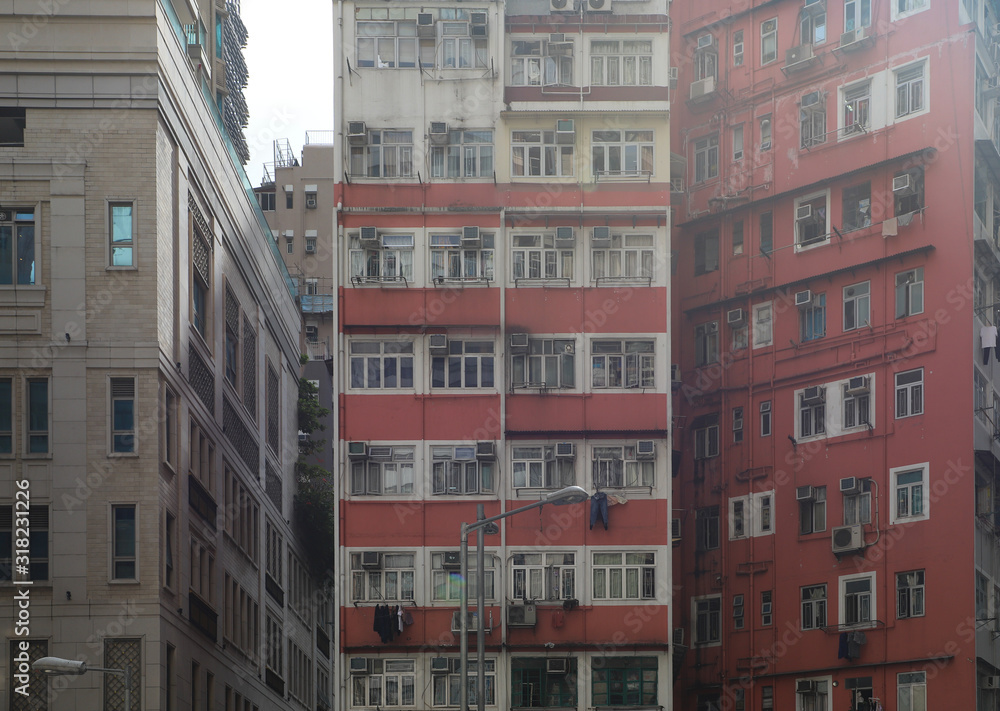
463, 630
480, 620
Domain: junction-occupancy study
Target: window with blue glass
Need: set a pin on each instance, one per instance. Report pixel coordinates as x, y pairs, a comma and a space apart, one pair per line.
626, 681
122, 415
38, 415
812, 318
17, 246
122, 234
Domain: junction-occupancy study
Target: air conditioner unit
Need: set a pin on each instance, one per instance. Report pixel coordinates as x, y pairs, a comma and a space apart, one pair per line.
371, 559
803, 686
487, 449
598, 5
518, 342
852, 36
439, 132
440, 665
810, 99
565, 237
847, 538
557, 38
521, 616
478, 31
451, 560
735, 317
357, 450
857, 385
368, 236
311, 200
645, 449
425, 24
678, 639
803, 298
359, 665
356, 132
702, 88
675, 373
477, 18
601, 236
705, 41
310, 248
558, 665
380, 452
850, 485
901, 183
795, 55
456, 626
437, 343
804, 493
814, 394
565, 450
803, 212
675, 530
565, 131
561, 6
569, 349
990, 682
470, 236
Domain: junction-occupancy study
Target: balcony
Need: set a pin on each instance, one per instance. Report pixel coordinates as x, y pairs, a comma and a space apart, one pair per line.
317, 303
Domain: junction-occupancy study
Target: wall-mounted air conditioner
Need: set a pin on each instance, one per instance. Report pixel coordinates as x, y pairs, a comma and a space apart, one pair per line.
470, 236
565, 237
735, 317
565, 450
901, 183
598, 5
356, 132
675, 530
561, 6
451, 560
803, 298
846, 539
814, 394
645, 449
425, 24
437, 343
565, 131
518, 342
851, 37
487, 449
858, 385
850, 485
357, 450
797, 55
440, 665
804, 493
371, 559
439, 133
360, 665
706, 41
380, 452
601, 236
557, 665
369, 236
702, 88
803, 212
805, 686
521, 615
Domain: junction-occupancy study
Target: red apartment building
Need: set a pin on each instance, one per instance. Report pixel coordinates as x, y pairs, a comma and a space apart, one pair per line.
837, 258
502, 330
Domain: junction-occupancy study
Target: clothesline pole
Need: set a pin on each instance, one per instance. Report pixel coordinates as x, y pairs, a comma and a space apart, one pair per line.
480, 602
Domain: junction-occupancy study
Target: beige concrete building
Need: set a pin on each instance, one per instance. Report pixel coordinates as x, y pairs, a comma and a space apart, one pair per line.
149, 362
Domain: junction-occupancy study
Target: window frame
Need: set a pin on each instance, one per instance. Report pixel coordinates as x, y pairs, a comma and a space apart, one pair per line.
558, 687
474, 476
768, 41
130, 243
911, 682
912, 8
854, 14
706, 620
8, 419
31, 433
621, 468
645, 575
365, 361
451, 262
763, 336
363, 575
909, 290
706, 336
22, 218
911, 488
813, 121
916, 88
706, 252
552, 580
380, 160
706, 158
114, 557
856, 210
39, 537
872, 602
907, 390
766, 418
803, 240
812, 319
554, 356
369, 474
813, 609
708, 528
392, 262
813, 514
114, 430
442, 366
640, 153
554, 159
446, 583
545, 257
626, 256
643, 62
635, 359
816, 413
911, 599
751, 515
461, 159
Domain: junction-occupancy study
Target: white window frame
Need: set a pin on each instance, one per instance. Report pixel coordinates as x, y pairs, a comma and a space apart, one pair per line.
817, 416
824, 237
763, 324
363, 576
924, 484
616, 467
758, 514
854, 14
543, 575
906, 8
545, 357
814, 610
464, 156
537, 257
706, 441
738, 152
448, 684
766, 418
842, 583
634, 360
910, 391
644, 572
446, 583
858, 506
913, 595
459, 50
635, 148
924, 88
609, 68
368, 476
706, 158
535, 466
764, 127
821, 700
913, 683
374, 693
393, 260
368, 53
768, 36
699, 610
855, 116
397, 351
463, 355
630, 256
456, 471
27, 452
812, 26
814, 117
706, 337
911, 291
857, 405
738, 48
541, 155
363, 157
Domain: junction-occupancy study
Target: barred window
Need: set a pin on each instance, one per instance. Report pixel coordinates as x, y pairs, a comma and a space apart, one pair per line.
273, 414
119, 654
37, 696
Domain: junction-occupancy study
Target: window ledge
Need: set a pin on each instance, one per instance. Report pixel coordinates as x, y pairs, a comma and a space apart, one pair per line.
123, 455
124, 582
24, 295
112, 268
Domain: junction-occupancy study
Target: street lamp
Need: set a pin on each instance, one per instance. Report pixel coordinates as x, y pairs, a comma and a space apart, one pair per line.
568, 495
56, 666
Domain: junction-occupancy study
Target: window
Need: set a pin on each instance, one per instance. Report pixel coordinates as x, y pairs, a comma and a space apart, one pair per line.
380, 365
469, 364
622, 364
390, 472
767, 698
390, 579
706, 343
765, 132
861, 691
812, 512
706, 441
737, 238
538, 467
857, 408
17, 245
902, 8
738, 423
289, 198
388, 153
812, 319
751, 515
738, 48
858, 505
290, 247
813, 26
769, 41
232, 343
386, 45
812, 694
201, 573
274, 640
123, 543
202, 458
446, 688
706, 58
468, 154
121, 234
455, 470
857, 599
6, 416
811, 224
38, 415
266, 201
201, 274
448, 583
274, 554
12, 124
766, 609
982, 596
30, 693
390, 260
548, 363
621, 62
910, 393
706, 158
119, 653
813, 607
169, 550
857, 108
857, 206
910, 594
738, 612
122, 415
812, 411
911, 500
617, 467
812, 120
530, 67
762, 330
766, 232
908, 198
459, 50
765, 418
36, 520
628, 256
707, 614
299, 675
543, 576
540, 153
539, 257
533, 686
910, 292
624, 576
622, 153
706, 523
911, 687
243, 514
857, 13
706, 252
624, 681
910, 88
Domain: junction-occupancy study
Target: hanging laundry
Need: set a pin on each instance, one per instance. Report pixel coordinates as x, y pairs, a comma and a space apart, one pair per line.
599, 507
842, 648
988, 335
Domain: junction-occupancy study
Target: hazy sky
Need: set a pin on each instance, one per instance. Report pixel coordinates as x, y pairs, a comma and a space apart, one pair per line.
289, 55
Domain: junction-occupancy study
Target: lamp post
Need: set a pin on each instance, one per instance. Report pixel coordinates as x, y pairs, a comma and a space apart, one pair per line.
568, 495
56, 666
